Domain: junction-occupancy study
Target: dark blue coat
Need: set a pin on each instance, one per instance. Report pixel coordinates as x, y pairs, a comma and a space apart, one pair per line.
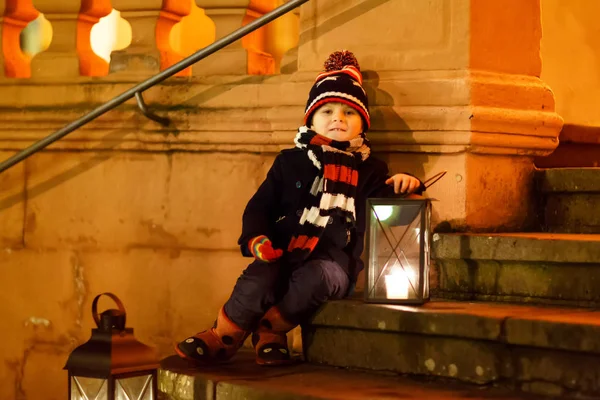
276, 207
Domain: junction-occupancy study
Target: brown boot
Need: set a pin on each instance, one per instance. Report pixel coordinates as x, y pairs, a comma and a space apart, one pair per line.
217, 344
270, 340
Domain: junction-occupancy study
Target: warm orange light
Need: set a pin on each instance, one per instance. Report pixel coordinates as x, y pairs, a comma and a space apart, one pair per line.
194, 32
18, 14
90, 63
283, 35
267, 46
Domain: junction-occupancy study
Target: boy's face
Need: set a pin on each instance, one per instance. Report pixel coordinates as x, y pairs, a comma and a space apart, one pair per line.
337, 121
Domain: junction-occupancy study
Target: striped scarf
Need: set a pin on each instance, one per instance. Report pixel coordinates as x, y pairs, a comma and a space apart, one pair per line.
334, 189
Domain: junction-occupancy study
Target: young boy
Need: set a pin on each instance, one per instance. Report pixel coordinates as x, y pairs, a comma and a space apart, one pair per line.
305, 225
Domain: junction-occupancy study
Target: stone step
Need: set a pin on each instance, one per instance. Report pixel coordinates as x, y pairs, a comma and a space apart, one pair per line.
541, 268
540, 350
242, 379
579, 147
570, 199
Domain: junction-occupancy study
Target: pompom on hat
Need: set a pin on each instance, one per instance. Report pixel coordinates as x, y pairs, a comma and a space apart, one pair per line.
340, 82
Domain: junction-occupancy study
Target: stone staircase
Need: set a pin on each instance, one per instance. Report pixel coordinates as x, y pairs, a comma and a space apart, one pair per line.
560, 266
244, 380
512, 315
535, 349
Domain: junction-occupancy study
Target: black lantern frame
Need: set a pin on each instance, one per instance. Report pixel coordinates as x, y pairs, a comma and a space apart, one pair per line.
407, 216
111, 359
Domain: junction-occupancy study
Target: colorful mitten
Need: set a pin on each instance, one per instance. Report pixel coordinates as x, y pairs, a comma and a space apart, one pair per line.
262, 249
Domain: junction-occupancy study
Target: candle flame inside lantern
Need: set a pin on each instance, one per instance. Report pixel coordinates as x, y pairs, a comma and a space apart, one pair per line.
398, 282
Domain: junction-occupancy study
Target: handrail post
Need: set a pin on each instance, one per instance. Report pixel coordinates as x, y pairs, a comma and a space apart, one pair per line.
149, 114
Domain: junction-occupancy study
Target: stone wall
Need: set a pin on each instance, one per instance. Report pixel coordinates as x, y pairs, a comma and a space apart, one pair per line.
152, 214
571, 53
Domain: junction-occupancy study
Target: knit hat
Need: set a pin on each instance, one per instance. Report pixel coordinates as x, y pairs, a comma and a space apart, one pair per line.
340, 82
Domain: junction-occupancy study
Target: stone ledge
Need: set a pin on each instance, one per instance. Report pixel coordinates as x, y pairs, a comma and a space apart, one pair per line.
539, 247
569, 180
244, 380
541, 268
411, 128
579, 147
535, 326
427, 87
409, 109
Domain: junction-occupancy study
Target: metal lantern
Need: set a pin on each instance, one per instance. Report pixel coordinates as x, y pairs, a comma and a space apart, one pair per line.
112, 365
398, 249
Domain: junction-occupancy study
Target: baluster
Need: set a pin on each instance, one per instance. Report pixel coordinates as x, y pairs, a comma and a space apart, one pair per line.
283, 35
91, 64
2, 68
142, 57
14, 17
172, 13
61, 58
246, 56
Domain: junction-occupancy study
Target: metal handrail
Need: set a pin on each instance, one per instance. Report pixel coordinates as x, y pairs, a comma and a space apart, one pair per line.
137, 90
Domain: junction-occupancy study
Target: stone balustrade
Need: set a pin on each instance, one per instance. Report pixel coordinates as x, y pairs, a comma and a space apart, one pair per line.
162, 33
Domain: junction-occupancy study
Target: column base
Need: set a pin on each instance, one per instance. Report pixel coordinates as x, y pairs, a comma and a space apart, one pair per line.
134, 64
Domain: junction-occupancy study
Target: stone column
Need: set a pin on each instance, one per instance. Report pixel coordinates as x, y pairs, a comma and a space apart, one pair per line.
14, 63
61, 58
454, 85
141, 58
246, 56
513, 115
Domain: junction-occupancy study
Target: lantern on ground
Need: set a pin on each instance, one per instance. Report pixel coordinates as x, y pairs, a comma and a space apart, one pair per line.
112, 365
398, 249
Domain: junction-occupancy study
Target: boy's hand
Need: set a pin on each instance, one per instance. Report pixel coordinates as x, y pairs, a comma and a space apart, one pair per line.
404, 183
262, 249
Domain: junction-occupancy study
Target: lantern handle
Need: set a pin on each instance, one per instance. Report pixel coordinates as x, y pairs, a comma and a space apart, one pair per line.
434, 178
95, 306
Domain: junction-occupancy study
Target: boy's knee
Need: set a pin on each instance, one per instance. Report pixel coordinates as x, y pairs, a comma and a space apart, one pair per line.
311, 274
325, 277
259, 277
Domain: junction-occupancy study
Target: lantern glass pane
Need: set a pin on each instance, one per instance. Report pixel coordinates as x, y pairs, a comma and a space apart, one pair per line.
394, 251
88, 388
427, 250
136, 388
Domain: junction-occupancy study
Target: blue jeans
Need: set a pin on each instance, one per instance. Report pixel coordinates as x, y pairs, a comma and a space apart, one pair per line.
297, 292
